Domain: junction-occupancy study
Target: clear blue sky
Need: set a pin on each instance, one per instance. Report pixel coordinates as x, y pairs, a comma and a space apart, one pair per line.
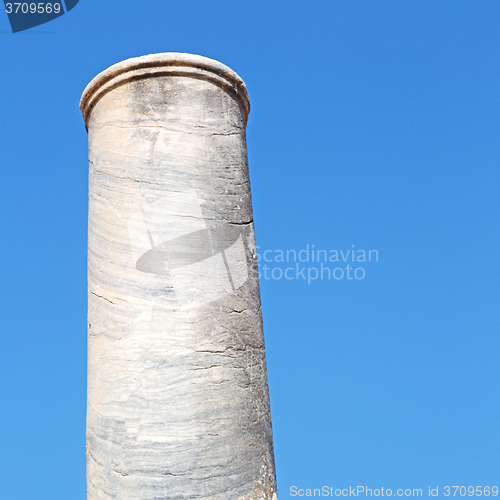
374, 123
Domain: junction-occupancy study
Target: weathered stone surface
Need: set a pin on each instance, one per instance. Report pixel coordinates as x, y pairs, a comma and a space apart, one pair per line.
178, 403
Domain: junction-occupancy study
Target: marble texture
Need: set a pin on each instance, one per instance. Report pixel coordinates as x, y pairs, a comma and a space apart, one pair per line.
178, 403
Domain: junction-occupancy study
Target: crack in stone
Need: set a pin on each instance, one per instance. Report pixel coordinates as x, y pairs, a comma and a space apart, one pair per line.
100, 296
126, 178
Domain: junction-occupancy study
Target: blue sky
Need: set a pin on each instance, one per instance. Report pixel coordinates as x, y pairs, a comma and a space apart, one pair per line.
374, 123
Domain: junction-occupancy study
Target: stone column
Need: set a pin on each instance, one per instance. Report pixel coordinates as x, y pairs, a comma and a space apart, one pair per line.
178, 403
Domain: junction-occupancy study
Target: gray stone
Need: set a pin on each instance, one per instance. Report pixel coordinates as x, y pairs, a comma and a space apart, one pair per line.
178, 403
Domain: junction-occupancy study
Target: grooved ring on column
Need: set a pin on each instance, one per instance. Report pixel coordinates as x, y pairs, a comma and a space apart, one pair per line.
166, 64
